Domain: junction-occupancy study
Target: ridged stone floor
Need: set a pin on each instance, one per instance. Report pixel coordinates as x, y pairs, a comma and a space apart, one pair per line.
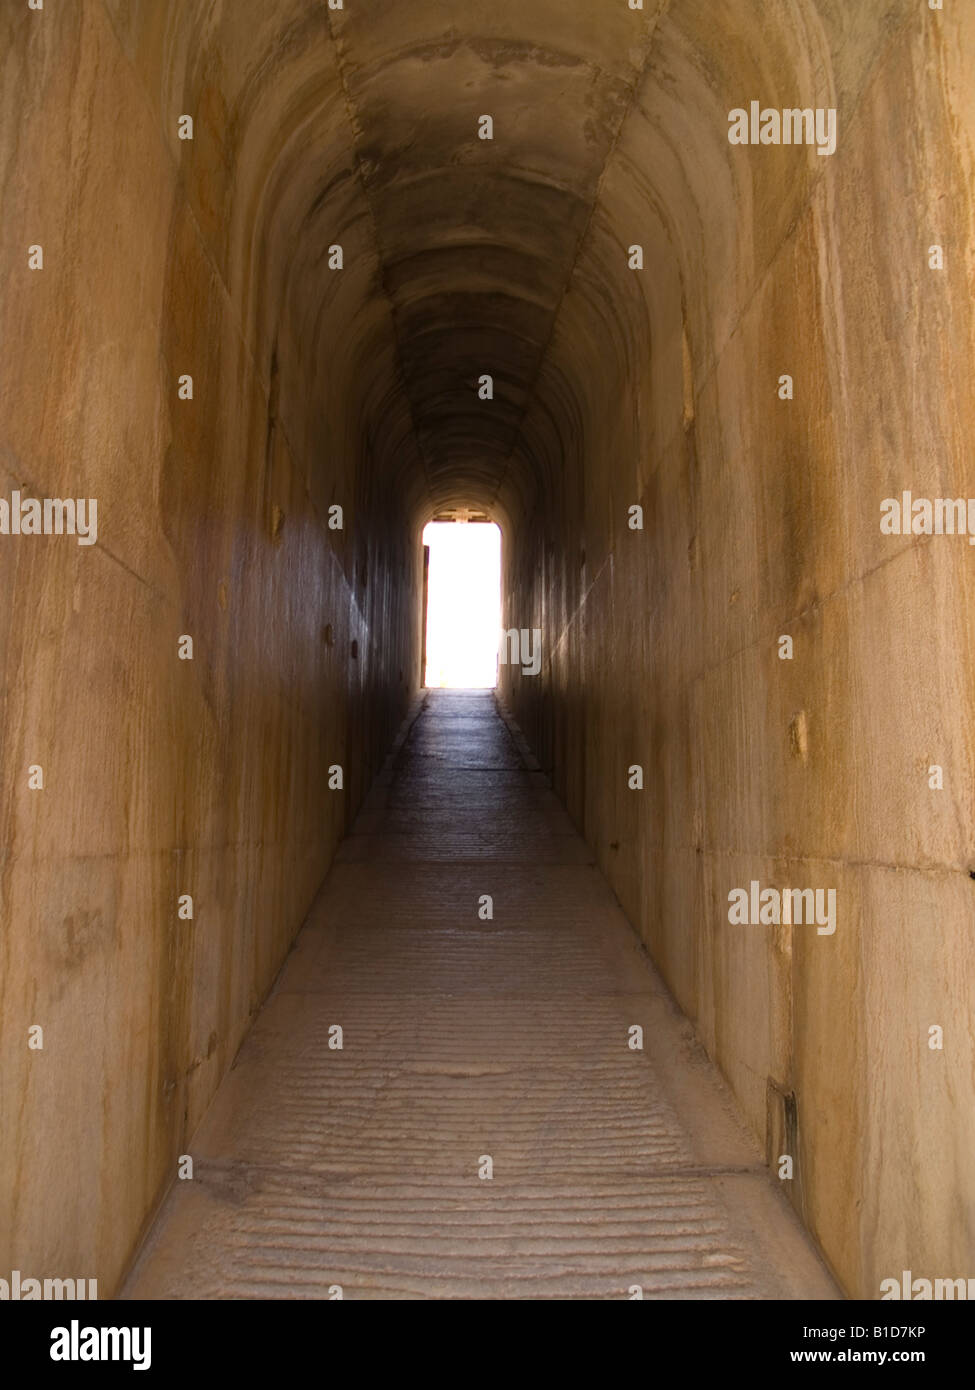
464, 1038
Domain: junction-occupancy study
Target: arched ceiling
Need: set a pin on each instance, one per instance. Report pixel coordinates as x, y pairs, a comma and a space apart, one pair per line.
358, 127
478, 238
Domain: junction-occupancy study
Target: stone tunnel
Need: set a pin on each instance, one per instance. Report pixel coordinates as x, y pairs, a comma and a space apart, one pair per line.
679, 294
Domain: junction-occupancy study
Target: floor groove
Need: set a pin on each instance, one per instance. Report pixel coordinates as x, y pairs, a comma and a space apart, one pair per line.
465, 1039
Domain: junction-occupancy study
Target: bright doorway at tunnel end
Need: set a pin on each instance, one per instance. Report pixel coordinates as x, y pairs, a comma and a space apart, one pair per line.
463, 604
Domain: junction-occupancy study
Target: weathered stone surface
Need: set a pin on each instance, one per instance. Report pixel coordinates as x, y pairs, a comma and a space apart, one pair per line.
358, 1167
762, 519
